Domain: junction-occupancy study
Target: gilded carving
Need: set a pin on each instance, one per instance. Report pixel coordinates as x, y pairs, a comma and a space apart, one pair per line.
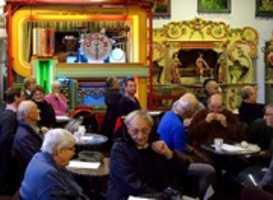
236, 49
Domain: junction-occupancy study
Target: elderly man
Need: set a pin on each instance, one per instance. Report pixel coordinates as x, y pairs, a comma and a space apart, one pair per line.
211, 87
8, 125
139, 165
213, 122
46, 176
57, 100
171, 128
27, 141
249, 109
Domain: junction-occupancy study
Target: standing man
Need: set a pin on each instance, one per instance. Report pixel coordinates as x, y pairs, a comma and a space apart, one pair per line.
128, 102
8, 125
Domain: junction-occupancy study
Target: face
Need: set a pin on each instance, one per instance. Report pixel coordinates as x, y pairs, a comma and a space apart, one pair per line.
139, 131
115, 84
268, 116
252, 95
213, 88
130, 88
65, 155
32, 84
38, 96
34, 114
56, 88
216, 104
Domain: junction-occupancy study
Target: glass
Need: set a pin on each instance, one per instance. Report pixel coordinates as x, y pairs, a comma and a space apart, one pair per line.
136, 130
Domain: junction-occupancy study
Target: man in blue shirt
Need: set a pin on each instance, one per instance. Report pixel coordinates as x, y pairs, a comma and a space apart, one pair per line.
171, 127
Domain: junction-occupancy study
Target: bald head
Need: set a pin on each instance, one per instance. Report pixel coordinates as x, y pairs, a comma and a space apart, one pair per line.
186, 105
249, 94
56, 87
215, 103
28, 112
212, 87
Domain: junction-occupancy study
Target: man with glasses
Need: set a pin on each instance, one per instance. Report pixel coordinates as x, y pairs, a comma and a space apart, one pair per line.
139, 165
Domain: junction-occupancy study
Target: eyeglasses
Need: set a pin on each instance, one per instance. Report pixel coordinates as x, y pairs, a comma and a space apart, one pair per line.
133, 130
268, 114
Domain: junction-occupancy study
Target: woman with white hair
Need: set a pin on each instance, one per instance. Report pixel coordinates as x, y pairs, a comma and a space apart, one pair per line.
46, 177
57, 100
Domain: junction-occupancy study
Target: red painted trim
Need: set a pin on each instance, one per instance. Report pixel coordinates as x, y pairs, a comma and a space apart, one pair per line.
9, 47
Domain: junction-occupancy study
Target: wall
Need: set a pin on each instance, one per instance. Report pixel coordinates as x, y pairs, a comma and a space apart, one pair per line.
242, 14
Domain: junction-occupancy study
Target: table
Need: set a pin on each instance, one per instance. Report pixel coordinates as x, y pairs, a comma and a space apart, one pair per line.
233, 149
103, 170
91, 141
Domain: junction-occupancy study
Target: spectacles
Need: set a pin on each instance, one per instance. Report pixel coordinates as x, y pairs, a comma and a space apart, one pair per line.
268, 114
133, 130
70, 148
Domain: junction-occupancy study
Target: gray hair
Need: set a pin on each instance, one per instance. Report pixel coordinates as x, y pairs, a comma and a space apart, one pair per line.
56, 139
138, 113
180, 106
246, 92
24, 109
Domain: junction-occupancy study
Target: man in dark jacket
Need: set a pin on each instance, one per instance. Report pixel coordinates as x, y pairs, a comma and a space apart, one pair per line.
139, 167
128, 102
8, 125
27, 140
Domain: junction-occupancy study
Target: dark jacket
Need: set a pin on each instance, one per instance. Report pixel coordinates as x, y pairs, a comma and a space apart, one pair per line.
8, 125
137, 172
45, 181
112, 98
202, 132
47, 114
249, 112
26, 143
127, 105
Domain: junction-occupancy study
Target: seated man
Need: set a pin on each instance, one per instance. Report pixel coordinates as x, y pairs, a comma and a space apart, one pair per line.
211, 87
213, 122
171, 127
46, 176
249, 109
261, 133
57, 100
139, 166
27, 141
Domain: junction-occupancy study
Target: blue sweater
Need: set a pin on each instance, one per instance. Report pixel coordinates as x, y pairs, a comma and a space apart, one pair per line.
45, 181
172, 131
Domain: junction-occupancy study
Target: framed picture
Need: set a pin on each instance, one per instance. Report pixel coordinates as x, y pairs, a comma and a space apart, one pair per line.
214, 6
264, 8
162, 9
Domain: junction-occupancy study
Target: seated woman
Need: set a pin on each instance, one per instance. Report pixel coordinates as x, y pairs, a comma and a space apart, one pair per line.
47, 114
139, 166
46, 177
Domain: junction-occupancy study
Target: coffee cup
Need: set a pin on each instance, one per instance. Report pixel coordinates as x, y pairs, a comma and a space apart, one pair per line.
218, 143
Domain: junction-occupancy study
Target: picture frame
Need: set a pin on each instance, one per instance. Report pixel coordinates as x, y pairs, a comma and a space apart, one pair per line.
264, 8
214, 6
162, 9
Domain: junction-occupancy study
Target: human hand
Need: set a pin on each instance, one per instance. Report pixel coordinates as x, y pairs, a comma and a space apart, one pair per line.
162, 148
222, 119
210, 117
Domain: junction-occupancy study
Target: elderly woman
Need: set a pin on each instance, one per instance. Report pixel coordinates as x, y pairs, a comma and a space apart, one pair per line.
138, 166
46, 177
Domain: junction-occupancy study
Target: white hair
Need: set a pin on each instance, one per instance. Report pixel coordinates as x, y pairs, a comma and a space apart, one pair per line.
24, 109
143, 114
56, 139
180, 106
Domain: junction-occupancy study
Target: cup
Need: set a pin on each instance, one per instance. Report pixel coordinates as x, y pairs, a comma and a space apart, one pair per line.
218, 143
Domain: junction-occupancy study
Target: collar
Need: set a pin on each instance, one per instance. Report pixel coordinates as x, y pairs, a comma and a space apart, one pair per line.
11, 107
